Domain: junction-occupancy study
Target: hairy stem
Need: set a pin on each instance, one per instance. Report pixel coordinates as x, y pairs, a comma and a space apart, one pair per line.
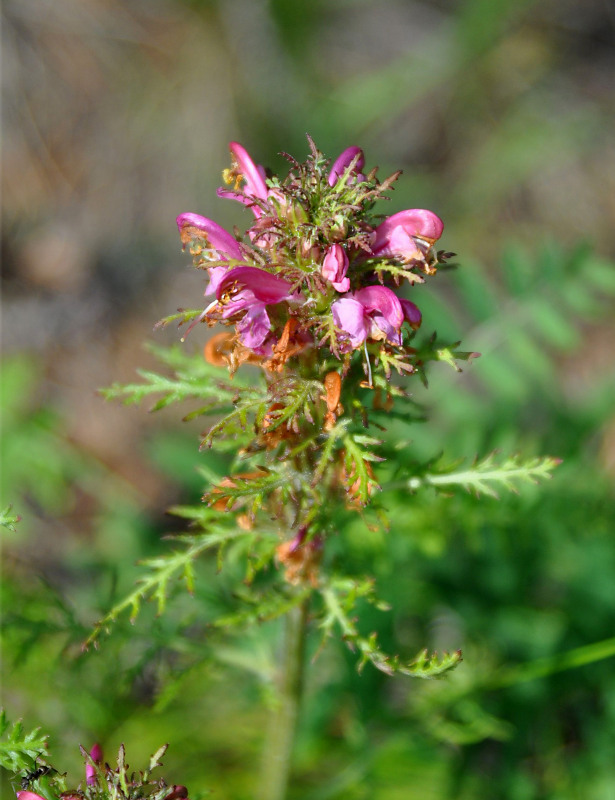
283, 719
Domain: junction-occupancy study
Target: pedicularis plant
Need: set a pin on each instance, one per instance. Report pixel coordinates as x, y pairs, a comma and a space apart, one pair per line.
310, 365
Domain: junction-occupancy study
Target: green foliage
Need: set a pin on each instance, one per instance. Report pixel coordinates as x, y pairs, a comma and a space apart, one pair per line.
193, 378
177, 565
19, 749
339, 597
481, 477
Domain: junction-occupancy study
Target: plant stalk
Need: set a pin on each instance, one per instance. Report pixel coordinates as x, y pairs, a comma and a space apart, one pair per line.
283, 719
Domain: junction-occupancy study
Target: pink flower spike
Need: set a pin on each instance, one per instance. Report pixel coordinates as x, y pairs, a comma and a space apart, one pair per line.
412, 314
395, 236
96, 754
244, 167
343, 161
25, 794
334, 268
215, 236
266, 288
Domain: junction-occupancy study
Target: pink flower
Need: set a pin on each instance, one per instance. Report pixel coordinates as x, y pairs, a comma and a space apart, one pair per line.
219, 241
343, 161
28, 795
96, 754
252, 175
251, 289
374, 312
335, 266
405, 234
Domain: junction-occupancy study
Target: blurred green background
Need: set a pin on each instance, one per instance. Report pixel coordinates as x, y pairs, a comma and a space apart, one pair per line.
116, 118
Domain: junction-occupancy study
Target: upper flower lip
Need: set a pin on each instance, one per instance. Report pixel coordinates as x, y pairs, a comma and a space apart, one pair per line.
383, 300
267, 288
413, 222
215, 236
254, 175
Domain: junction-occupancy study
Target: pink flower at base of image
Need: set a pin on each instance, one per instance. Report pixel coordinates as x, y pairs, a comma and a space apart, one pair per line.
102, 781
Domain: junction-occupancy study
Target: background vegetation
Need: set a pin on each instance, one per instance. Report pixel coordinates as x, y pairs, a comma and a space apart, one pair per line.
116, 118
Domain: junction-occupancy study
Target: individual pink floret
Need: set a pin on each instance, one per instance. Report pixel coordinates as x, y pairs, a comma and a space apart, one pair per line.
251, 289
401, 235
373, 312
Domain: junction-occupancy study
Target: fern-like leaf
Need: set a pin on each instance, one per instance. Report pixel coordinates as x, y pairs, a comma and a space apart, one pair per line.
339, 597
155, 586
19, 749
484, 476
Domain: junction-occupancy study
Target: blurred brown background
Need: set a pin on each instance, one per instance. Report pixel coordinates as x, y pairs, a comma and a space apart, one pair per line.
117, 115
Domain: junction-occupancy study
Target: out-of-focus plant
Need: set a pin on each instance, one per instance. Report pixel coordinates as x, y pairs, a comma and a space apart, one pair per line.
310, 297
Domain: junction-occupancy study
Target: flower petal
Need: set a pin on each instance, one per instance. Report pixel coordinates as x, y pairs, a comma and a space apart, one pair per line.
343, 161
255, 326
194, 226
252, 174
349, 316
412, 313
395, 235
267, 288
384, 301
216, 276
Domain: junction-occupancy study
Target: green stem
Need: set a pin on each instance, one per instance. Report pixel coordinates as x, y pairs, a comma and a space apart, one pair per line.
283, 721
548, 665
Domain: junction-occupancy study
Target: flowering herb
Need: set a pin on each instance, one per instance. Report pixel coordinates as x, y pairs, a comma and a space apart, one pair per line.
319, 296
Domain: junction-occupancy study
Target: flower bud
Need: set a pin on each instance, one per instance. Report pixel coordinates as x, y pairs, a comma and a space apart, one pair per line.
96, 754
343, 161
335, 266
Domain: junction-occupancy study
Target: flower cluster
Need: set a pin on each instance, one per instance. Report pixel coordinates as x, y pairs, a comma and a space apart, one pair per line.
316, 268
